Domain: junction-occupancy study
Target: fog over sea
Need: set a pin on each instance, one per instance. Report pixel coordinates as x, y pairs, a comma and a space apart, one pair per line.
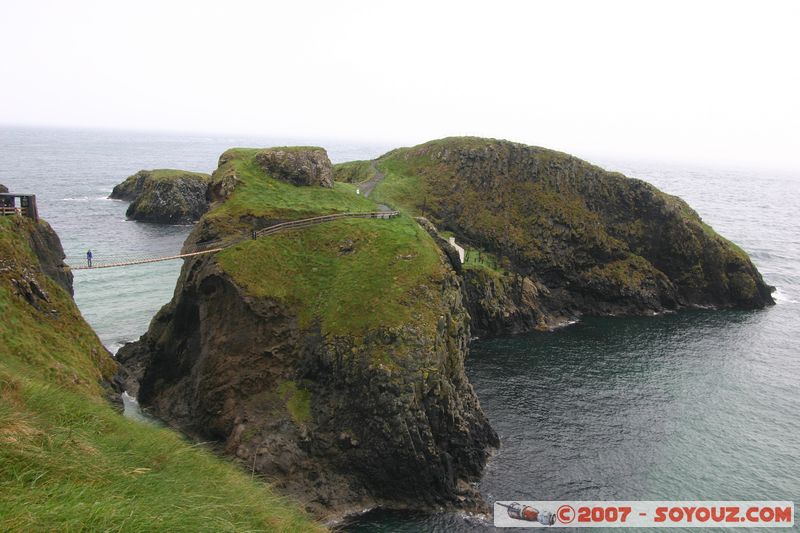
694, 405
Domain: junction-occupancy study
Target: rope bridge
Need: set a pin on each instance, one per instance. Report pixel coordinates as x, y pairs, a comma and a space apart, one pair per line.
213, 247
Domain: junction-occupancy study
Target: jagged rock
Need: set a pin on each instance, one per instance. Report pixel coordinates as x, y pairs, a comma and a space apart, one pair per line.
165, 196
506, 304
222, 185
299, 165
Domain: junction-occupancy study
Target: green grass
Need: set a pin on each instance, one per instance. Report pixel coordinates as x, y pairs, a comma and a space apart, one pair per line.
401, 188
350, 275
353, 172
70, 462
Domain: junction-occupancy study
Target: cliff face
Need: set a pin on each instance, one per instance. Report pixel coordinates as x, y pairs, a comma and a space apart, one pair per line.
564, 237
164, 196
329, 359
297, 165
45, 243
46, 247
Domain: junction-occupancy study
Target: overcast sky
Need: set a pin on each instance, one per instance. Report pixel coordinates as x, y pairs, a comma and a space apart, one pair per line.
712, 82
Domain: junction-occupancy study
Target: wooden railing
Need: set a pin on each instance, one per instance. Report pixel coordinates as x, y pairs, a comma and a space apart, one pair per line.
324, 218
6, 211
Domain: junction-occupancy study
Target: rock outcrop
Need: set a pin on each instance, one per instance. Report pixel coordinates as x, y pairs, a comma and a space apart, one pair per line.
566, 238
298, 165
328, 360
46, 245
165, 196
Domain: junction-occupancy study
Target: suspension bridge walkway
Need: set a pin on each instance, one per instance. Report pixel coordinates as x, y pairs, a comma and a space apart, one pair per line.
217, 246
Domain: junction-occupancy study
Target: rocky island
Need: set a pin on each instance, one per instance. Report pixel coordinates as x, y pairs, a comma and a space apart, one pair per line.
164, 196
550, 237
331, 359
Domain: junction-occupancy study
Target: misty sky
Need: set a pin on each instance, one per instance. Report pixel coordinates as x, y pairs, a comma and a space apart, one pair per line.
711, 82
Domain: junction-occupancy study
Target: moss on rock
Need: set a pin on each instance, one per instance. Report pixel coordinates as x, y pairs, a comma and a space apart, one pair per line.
353, 172
600, 242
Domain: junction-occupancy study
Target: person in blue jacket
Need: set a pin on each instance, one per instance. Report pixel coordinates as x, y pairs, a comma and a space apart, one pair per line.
89, 259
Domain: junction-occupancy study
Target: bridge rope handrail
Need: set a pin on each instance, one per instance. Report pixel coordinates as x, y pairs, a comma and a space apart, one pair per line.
264, 232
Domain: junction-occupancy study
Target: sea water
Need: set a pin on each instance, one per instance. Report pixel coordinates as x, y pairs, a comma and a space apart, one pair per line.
694, 405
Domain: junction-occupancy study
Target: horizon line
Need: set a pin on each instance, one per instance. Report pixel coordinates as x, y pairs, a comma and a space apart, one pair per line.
589, 156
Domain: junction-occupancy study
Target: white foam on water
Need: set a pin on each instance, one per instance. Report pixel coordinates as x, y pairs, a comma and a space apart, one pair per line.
782, 298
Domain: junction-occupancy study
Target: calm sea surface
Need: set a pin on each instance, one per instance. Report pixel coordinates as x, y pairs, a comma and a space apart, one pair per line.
694, 405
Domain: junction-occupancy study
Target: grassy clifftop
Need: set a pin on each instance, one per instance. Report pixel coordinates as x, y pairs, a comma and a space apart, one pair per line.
351, 275
245, 192
68, 461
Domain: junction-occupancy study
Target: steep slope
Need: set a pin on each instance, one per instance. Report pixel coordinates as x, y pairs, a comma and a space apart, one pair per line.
553, 237
164, 196
329, 359
68, 460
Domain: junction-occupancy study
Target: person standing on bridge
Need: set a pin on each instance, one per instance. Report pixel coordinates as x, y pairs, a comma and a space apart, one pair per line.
89, 259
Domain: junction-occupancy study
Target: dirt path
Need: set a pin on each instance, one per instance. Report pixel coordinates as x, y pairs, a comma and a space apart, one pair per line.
367, 186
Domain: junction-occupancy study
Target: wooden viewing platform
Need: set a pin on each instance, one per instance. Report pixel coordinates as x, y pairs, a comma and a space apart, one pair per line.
26, 207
